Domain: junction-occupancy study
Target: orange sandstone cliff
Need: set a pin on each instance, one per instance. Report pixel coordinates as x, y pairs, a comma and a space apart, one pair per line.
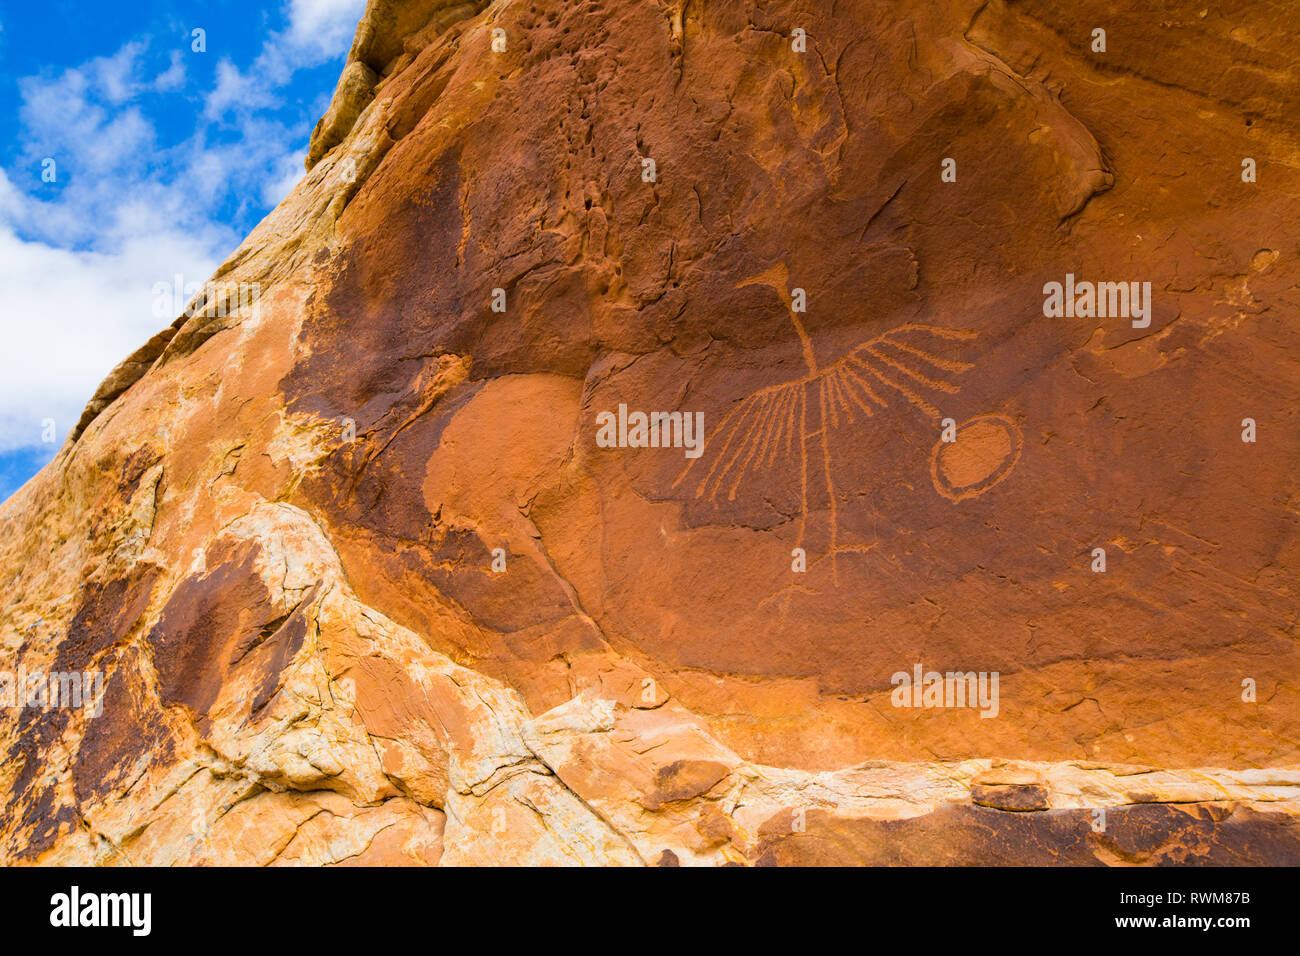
382, 567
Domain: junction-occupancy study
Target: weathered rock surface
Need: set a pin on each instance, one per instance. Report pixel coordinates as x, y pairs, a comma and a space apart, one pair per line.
364, 587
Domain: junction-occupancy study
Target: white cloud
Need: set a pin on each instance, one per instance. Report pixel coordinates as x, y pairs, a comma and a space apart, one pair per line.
65, 115
287, 175
236, 90
325, 26
318, 31
79, 259
172, 78
115, 75
70, 317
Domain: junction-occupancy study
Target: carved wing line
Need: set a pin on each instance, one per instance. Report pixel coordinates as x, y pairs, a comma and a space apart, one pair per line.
771, 422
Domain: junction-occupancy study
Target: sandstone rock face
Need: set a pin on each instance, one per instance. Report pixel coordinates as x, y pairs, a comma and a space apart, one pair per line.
365, 584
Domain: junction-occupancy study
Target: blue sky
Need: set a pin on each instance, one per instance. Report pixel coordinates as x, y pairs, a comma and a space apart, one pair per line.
130, 157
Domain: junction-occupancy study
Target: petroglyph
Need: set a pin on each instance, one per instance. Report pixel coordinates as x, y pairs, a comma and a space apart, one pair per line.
985, 453
794, 419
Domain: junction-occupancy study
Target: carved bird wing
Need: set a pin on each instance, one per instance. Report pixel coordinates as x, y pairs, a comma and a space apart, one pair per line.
899, 362
771, 424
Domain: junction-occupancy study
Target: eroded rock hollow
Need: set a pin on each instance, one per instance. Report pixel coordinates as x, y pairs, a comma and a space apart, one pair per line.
383, 565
